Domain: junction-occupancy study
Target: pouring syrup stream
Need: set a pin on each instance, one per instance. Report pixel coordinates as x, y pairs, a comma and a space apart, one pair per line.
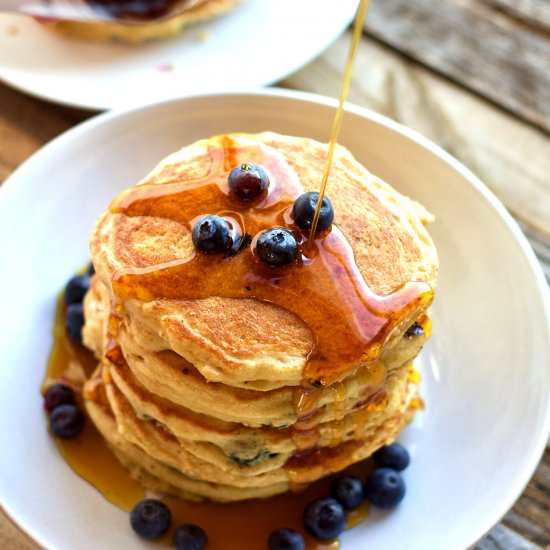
339, 115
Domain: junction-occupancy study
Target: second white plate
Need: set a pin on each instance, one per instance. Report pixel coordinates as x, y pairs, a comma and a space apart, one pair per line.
258, 43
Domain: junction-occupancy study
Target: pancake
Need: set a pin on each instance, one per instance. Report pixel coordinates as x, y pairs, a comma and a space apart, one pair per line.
209, 396
199, 10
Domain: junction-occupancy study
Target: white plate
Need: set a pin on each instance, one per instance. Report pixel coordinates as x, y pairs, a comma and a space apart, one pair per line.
258, 43
486, 375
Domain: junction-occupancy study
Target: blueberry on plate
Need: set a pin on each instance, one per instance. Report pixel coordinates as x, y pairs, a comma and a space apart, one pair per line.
189, 537
348, 491
393, 456
66, 421
150, 518
211, 234
58, 394
277, 247
285, 539
76, 289
324, 518
248, 181
385, 488
304, 210
74, 321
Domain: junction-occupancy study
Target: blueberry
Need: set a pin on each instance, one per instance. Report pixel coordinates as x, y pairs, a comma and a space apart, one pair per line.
413, 331
385, 488
76, 289
66, 421
211, 234
285, 539
348, 491
74, 321
277, 247
248, 181
304, 210
150, 518
324, 518
58, 394
189, 537
393, 456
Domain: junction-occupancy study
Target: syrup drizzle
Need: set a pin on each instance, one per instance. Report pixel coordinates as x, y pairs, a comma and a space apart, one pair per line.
324, 284
339, 115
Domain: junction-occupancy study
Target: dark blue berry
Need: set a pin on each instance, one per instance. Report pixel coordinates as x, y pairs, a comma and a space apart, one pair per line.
189, 537
414, 331
348, 491
286, 539
248, 181
277, 247
58, 394
212, 234
76, 289
150, 518
324, 518
74, 321
385, 488
66, 421
393, 456
304, 210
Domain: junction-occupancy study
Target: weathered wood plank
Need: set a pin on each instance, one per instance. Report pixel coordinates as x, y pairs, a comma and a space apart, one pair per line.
502, 538
534, 12
475, 45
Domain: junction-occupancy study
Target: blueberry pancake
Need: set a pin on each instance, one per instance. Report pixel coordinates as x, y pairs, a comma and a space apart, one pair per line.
196, 11
229, 367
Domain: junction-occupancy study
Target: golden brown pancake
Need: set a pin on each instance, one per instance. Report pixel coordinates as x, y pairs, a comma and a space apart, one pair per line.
205, 398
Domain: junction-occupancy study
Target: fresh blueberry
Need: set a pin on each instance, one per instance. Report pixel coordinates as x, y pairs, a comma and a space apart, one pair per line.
74, 321
150, 518
324, 518
248, 181
211, 234
66, 421
286, 539
393, 456
304, 210
189, 537
414, 331
277, 247
385, 488
58, 394
76, 289
348, 491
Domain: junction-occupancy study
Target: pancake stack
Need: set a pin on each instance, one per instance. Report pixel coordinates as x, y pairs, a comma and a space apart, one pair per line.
195, 11
208, 398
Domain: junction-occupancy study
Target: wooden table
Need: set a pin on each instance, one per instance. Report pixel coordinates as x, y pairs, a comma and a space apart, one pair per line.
481, 115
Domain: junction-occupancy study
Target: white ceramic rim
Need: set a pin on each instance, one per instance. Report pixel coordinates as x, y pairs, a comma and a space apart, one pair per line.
516, 487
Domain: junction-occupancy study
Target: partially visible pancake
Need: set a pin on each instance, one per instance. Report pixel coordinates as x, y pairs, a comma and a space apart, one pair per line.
200, 10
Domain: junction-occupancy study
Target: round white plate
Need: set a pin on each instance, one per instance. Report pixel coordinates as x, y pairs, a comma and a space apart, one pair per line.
486, 376
258, 43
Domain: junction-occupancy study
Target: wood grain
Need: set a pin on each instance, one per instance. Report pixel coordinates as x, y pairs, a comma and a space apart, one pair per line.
475, 45
535, 13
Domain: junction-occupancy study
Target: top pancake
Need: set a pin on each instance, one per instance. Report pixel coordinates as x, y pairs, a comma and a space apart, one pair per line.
239, 341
